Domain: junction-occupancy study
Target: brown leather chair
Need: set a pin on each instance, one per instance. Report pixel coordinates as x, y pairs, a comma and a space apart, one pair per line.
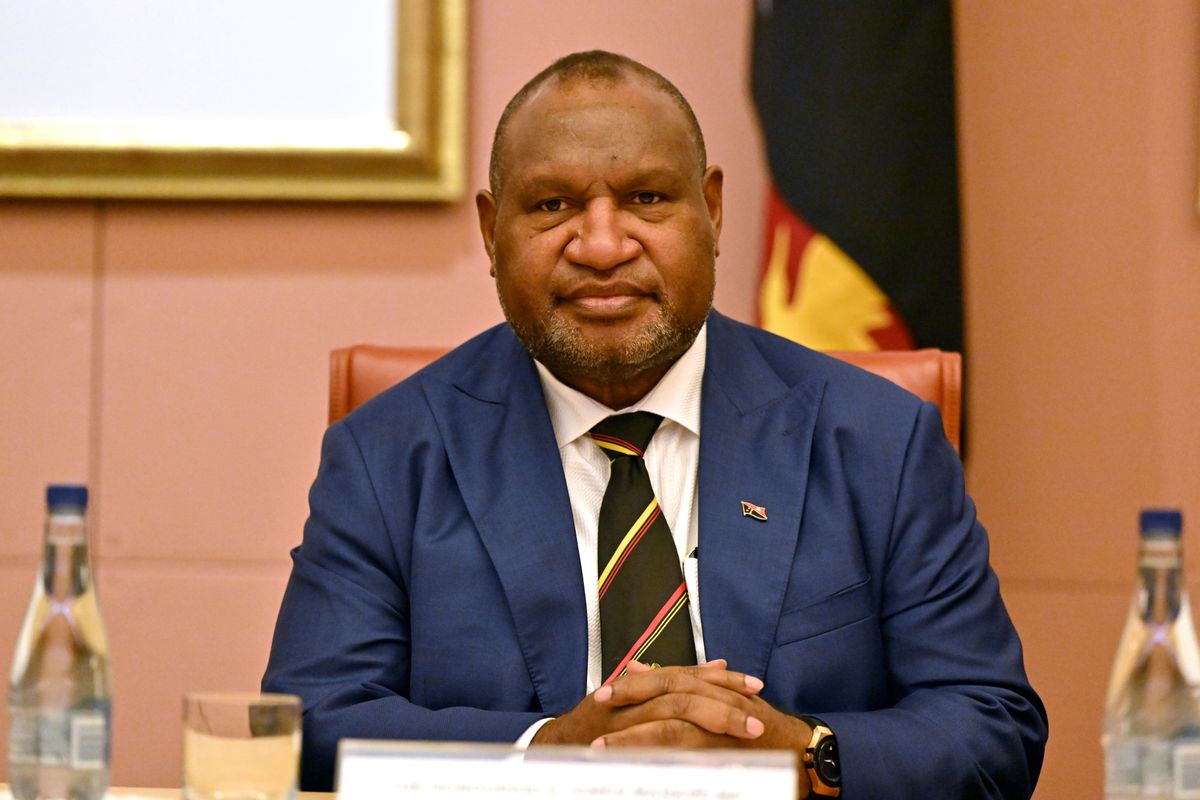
359, 372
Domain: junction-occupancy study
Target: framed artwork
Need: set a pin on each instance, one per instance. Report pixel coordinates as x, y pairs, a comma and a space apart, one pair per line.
214, 99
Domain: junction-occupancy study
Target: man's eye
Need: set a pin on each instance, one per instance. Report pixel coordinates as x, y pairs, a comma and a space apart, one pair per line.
550, 205
647, 198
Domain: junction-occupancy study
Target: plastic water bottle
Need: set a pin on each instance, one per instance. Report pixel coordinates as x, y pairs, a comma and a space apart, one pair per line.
59, 700
1151, 732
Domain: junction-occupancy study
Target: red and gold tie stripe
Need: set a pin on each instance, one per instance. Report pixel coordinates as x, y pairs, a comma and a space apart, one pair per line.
678, 601
643, 597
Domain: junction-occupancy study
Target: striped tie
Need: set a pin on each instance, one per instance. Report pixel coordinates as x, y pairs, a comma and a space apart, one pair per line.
643, 597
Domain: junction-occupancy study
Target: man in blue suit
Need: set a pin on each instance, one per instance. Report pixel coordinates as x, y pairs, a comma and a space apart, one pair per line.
842, 607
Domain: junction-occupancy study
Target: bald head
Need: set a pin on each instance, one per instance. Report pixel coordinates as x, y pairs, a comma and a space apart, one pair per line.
594, 67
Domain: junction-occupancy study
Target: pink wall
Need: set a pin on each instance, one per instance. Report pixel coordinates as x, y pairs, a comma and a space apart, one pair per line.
174, 355
1079, 149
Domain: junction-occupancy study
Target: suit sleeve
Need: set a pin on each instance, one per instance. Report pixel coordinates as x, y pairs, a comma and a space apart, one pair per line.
342, 639
966, 722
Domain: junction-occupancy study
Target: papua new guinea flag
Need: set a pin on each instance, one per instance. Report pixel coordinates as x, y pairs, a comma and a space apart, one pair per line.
856, 103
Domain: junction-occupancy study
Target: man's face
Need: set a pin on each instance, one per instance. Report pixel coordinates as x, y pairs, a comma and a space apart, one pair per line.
604, 237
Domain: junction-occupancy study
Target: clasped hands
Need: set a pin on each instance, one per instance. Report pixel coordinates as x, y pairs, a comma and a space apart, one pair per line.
693, 707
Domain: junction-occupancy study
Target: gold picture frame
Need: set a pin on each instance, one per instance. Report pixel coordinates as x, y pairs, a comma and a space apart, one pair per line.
421, 156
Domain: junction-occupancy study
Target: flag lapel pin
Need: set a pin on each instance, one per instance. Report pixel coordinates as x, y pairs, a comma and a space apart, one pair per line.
751, 510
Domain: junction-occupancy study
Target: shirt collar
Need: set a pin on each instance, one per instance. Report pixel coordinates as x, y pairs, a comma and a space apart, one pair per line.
676, 397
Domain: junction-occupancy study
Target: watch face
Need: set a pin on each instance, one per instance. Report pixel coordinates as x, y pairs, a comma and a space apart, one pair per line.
825, 761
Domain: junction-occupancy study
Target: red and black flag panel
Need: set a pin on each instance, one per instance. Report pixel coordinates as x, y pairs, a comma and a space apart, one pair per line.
856, 103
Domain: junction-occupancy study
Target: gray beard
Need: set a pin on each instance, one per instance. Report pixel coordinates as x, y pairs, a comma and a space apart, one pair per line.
566, 352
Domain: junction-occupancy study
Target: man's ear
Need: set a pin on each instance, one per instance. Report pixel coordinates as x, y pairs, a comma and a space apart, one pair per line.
712, 186
485, 205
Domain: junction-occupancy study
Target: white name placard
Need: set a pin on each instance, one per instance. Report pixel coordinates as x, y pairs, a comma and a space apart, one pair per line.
373, 770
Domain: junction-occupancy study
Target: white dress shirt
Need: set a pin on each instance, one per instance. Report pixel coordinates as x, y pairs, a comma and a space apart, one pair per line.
672, 459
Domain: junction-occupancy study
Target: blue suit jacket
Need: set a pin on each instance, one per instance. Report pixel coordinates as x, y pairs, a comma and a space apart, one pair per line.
437, 592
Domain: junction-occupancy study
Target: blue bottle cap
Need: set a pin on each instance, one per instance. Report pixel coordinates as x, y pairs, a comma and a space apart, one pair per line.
1161, 522
66, 495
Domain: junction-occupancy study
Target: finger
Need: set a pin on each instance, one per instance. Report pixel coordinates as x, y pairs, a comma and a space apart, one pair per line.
659, 733
730, 715
603, 694
664, 733
709, 680
718, 663
638, 687
713, 709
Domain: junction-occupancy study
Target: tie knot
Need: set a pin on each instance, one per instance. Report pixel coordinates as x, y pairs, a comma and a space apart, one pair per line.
625, 434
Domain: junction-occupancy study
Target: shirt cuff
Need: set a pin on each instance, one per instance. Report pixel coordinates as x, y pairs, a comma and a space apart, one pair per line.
527, 737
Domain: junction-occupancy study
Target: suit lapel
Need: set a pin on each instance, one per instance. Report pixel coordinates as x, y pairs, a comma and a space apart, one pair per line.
755, 442
756, 435
505, 459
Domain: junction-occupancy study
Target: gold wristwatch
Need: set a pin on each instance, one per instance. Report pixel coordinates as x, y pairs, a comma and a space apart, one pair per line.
821, 760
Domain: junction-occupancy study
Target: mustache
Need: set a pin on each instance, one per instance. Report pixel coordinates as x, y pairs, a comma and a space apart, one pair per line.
591, 287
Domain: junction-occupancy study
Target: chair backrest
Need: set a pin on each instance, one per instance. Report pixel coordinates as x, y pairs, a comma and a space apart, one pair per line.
359, 372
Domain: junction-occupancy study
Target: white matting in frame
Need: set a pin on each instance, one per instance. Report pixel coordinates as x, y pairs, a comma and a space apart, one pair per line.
255, 99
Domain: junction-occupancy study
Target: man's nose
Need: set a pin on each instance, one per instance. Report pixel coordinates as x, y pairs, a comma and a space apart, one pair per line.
602, 238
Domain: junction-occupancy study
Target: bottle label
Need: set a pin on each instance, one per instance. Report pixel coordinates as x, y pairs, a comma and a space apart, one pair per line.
1159, 554
89, 739
22, 736
1157, 766
1187, 771
77, 739
1123, 767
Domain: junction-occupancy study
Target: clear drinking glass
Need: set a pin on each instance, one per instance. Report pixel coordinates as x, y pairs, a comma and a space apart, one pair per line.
240, 746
